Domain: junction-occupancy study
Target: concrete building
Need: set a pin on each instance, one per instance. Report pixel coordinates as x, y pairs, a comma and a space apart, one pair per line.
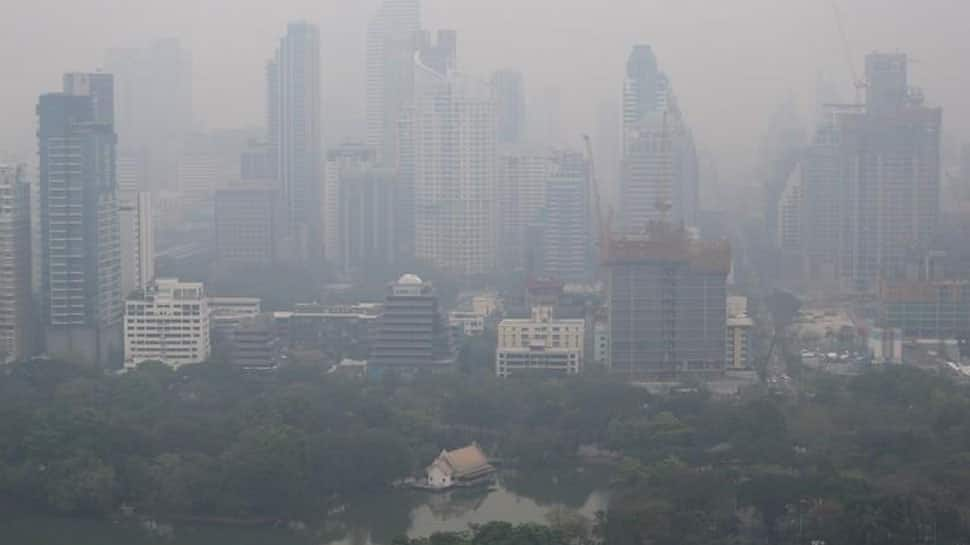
450, 134
81, 286
540, 345
252, 343
509, 107
226, 313
523, 175
667, 303
928, 309
601, 343
137, 240
361, 210
790, 214
330, 333
248, 225
872, 185
739, 328
167, 322
471, 324
565, 221
413, 334
16, 304
391, 36
659, 174
294, 125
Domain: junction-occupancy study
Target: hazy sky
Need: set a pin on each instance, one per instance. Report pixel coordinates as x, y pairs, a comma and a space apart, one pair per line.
731, 61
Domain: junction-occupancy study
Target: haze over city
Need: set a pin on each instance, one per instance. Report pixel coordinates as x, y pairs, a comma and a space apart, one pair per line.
732, 63
485, 272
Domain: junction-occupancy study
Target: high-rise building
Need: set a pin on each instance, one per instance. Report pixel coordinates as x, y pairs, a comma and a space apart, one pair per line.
413, 333
389, 90
509, 107
362, 200
16, 305
81, 292
248, 221
565, 221
872, 181
153, 107
294, 124
739, 329
667, 303
168, 321
137, 240
540, 345
646, 90
659, 178
450, 135
523, 176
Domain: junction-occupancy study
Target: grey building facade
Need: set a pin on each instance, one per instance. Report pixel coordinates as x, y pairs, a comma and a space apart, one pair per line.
81, 274
413, 332
16, 304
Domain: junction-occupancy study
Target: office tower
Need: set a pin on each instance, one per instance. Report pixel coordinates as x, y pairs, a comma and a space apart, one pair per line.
81, 292
341, 160
659, 179
872, 181
294, 124
606, 147
540, 345
413, 333
16, 305
782, 146
153, 107
660, 173
137, 240
523, 175
667, 303
565, 220
509, 107
248, 221
168, 321
646, 90
451, 137
789, 216
363, 199
390, 69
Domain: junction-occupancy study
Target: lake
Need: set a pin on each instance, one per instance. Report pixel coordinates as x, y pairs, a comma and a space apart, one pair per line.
372, 520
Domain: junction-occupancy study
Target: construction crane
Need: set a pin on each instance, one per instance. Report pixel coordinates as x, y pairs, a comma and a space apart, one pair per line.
859, 84
603, 226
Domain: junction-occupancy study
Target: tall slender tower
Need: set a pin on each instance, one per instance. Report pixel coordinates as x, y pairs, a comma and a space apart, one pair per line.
16, 318
293, 84
81, 291
389, 71
509, 106
452, 135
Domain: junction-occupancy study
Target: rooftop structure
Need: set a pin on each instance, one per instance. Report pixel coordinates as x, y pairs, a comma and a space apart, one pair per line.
457, 467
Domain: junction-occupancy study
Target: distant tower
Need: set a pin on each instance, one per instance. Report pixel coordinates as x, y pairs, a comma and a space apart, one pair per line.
450, 145
81, 291
413, 333
16, 316
389, 71
645, 90
294, 119
509, 106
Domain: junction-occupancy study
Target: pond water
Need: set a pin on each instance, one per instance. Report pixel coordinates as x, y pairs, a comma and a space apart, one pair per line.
372, 520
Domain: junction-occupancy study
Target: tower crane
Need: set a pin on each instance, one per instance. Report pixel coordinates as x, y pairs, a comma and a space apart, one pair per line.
847, 51
603, 225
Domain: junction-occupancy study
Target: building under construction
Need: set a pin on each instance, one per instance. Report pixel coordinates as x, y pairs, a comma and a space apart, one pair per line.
667, 302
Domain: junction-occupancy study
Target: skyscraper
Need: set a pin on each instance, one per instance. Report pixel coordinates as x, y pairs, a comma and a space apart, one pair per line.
390, 70
81, 292
521, 195
451, 138
659, 179
294, 123
509, 106
565, 220
153, 107
872, 181
16, 316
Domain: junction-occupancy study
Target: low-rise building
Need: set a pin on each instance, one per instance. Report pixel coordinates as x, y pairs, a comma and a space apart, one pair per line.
540, 344
472, 324
226, 313
253, 344
168, 321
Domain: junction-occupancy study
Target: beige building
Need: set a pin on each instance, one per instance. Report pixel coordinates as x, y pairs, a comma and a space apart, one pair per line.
739, 326
540, 344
